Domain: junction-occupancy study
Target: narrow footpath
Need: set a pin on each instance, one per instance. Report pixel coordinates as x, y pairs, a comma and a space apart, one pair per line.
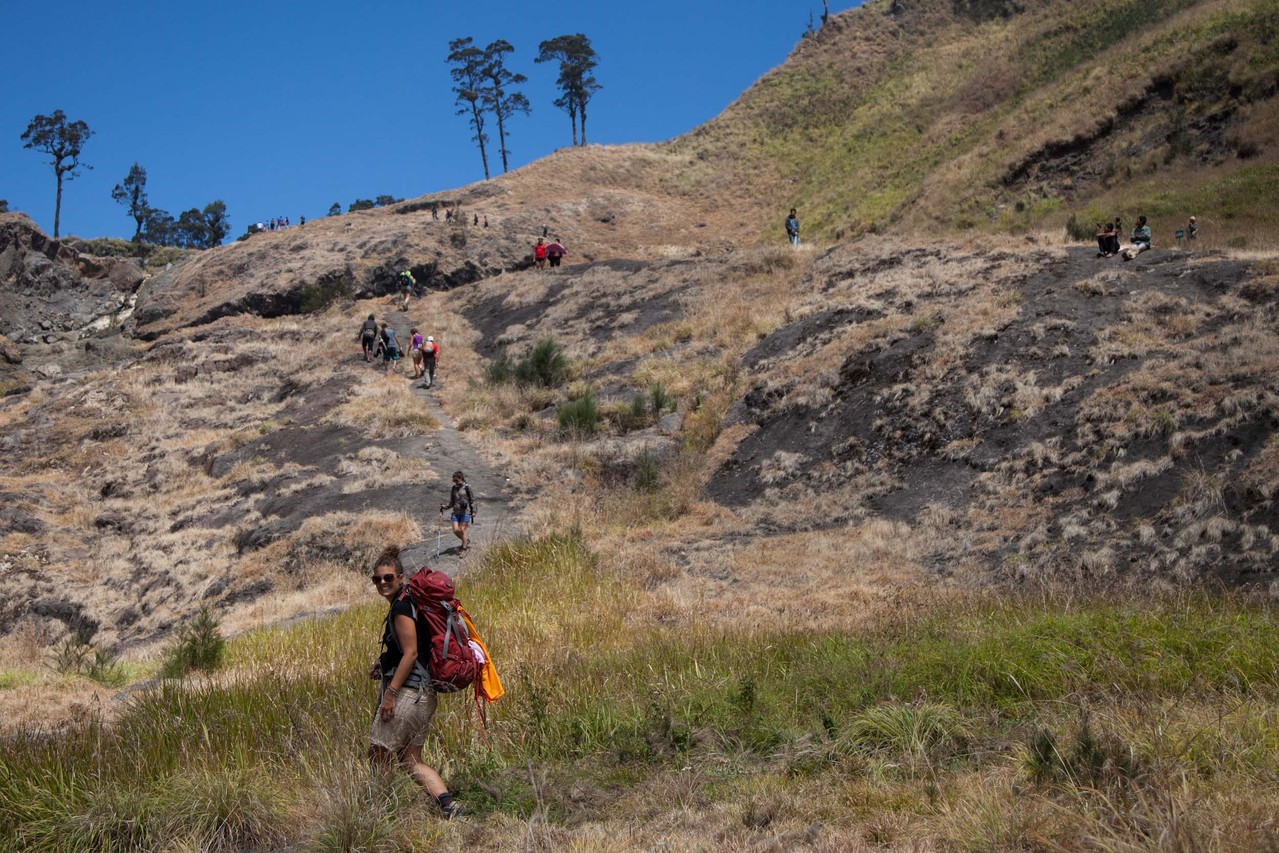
449, 452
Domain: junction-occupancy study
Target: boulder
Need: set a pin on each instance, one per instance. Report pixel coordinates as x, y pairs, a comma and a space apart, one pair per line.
10, 351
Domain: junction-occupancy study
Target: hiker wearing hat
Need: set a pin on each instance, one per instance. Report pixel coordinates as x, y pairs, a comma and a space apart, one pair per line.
430, 352
1192, 229
461, 506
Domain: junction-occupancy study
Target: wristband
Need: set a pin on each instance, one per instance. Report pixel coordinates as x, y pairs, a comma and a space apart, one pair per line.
394, 691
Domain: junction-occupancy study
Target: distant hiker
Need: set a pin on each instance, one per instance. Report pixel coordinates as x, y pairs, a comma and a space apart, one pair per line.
448, 215
391, 348
406, 699
792, 227
539, 253
555, 252
461, 505
408, 285
368, 336
477, 219
435, 210
301, 220
486, 221
1192, 229
1141, 238
430, 353
415, 351
545, 230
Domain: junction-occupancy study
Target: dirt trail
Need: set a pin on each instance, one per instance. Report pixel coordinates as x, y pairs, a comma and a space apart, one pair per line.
451, 452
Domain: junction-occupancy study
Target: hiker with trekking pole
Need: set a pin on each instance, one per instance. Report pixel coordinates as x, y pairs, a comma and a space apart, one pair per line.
461, 506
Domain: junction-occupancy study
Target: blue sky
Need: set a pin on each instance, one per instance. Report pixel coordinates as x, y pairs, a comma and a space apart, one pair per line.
282, 108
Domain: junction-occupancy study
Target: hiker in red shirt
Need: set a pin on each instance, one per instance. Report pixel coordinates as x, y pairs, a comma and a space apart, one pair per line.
539, 253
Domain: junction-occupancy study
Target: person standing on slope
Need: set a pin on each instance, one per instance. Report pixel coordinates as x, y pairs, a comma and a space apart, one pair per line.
555, 252
408, 285
368, 337
539, 253
416, 353
792, 227
430, 352
462, 508
406, 700
391, 351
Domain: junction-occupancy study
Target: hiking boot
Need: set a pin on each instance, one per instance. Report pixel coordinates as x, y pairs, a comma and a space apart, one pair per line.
452, 810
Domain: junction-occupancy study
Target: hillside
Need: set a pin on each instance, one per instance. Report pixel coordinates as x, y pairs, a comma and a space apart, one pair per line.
935, 115
919, 536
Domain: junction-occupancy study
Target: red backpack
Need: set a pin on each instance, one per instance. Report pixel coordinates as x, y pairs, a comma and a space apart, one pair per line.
447, 647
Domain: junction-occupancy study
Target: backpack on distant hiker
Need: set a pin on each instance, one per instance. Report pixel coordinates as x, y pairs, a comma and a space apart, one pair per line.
455, 657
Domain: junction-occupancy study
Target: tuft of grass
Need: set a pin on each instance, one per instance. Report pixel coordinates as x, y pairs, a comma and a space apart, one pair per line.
918, 732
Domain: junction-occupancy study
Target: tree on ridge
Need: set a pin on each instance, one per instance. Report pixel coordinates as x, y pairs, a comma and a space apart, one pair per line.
63, 142
498, 96
468, 73
577, 60
132, 193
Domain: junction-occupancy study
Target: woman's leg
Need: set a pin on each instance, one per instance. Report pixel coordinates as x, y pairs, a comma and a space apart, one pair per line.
424, 775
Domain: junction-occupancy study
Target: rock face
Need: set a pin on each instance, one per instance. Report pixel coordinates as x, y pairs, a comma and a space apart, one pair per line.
47, 288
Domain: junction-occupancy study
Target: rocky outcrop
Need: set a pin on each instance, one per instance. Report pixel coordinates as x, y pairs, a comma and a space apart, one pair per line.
48, 289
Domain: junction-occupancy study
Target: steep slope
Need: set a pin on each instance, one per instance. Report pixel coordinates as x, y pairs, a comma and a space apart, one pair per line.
914, 116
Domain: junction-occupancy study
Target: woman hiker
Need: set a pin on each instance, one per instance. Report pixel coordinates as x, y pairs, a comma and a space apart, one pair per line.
406, 700
462, 507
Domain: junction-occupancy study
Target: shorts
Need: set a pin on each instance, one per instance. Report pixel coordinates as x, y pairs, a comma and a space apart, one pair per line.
464, 518
414, 708
391, 354
554, 259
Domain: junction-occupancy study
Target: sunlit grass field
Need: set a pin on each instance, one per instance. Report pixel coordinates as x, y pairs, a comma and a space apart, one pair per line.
984, 725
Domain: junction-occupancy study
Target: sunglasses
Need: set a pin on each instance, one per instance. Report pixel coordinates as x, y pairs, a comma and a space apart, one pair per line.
383, 578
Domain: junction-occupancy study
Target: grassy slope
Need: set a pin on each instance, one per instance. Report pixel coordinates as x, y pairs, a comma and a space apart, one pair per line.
919, 122
988, 725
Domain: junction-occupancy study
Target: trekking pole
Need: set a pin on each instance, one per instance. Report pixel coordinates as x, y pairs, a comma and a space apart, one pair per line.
439, 533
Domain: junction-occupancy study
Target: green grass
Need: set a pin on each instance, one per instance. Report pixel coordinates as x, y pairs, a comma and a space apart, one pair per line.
599, 696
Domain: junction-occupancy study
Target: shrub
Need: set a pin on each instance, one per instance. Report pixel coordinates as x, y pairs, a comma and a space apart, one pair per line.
545, 365
1087, 760
661, 400
1080, 231
499, 371
648, 471
579, 417
77, 656
199, 646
